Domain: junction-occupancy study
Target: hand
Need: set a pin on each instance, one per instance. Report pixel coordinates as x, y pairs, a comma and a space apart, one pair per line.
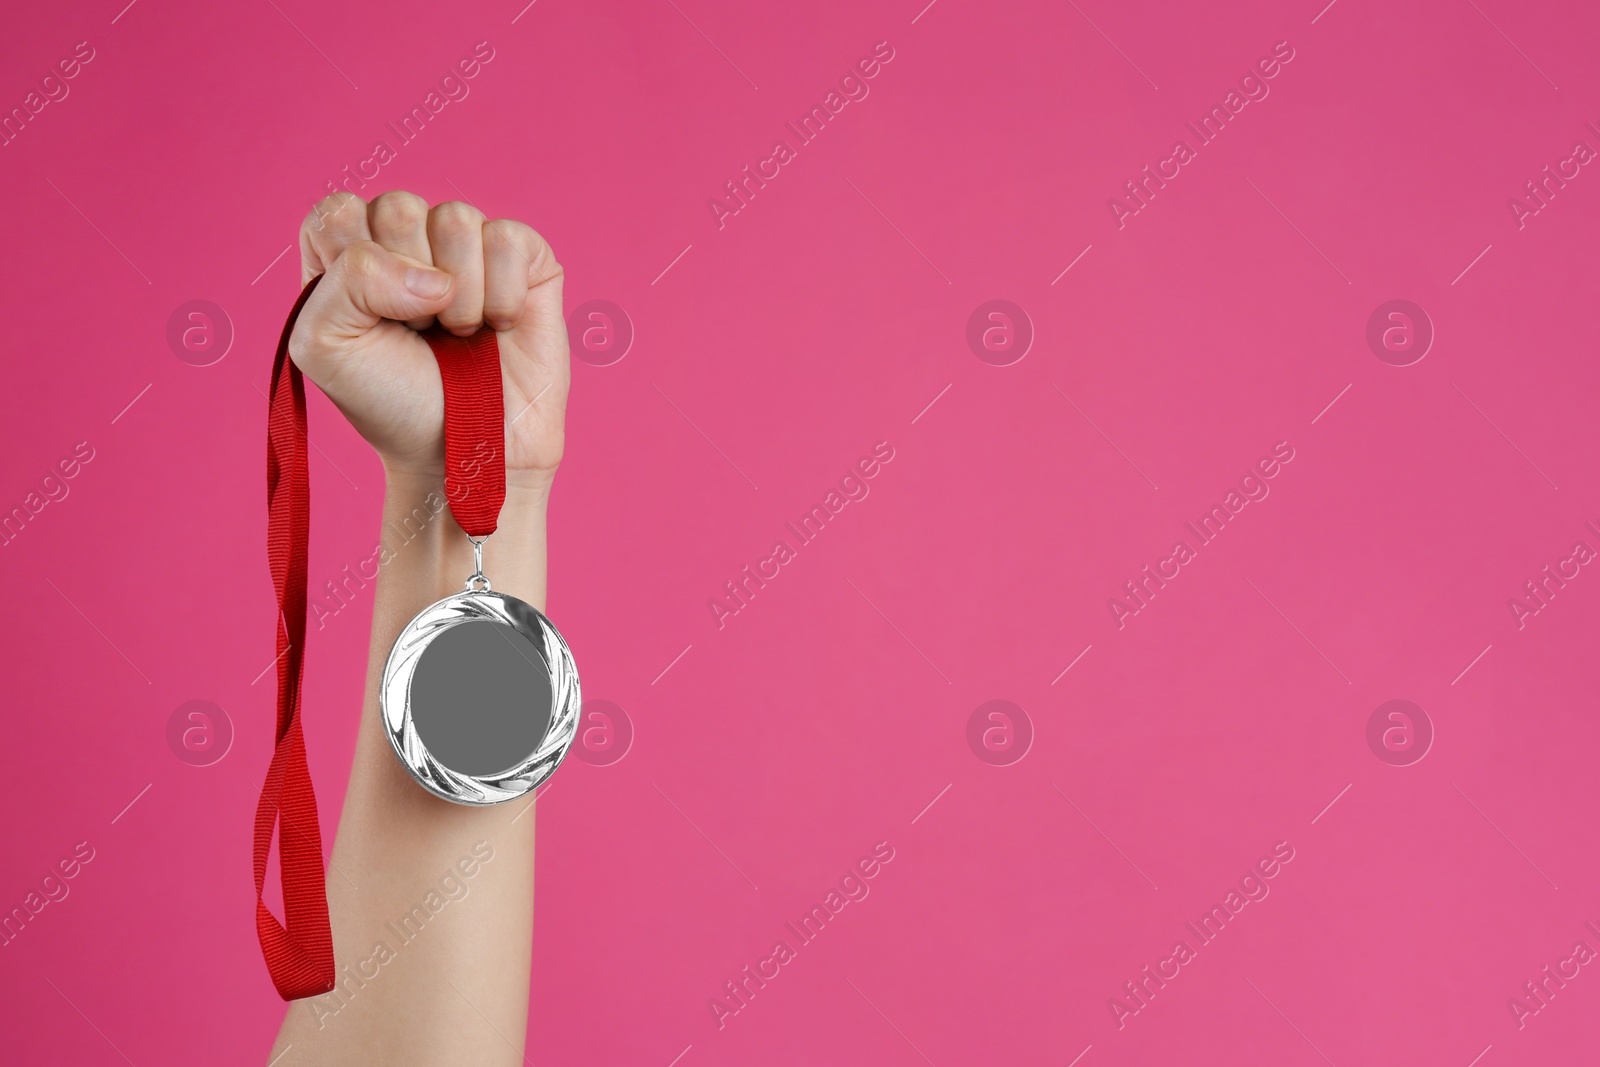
392, 267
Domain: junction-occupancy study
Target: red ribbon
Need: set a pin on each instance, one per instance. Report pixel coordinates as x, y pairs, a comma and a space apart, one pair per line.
299, 950
474, 427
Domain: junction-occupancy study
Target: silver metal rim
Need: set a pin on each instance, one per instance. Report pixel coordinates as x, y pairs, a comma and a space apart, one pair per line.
478, 605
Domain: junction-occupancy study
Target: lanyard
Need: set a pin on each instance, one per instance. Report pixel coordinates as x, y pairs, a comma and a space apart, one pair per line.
299, 950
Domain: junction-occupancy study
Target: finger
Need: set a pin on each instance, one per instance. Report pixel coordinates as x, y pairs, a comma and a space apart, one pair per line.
399, 222
455, 234
336, 222
534, 349
366, 284
509, 251
540, 325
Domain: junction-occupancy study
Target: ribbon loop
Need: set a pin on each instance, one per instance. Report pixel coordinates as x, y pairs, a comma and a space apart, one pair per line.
299, 950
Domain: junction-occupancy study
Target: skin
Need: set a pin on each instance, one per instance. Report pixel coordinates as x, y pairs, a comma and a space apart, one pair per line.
455, 990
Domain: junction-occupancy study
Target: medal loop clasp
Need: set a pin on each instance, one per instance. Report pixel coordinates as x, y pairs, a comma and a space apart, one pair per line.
477, 581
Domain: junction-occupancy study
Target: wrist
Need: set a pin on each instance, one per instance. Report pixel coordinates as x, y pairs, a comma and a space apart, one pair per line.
432, 554
525, 489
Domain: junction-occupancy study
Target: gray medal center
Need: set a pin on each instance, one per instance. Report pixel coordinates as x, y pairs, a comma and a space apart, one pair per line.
480, 698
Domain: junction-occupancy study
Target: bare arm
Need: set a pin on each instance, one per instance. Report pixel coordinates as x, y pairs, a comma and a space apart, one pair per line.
431, 902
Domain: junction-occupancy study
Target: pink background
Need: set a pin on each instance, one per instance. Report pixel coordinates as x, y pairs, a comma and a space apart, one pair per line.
827, 715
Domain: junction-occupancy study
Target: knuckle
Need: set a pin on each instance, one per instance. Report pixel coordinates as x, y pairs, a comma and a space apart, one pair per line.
310, 346
399, 211
542, 259
303, 342
330, 209
530, 246
545, 266
513, 232
362, 259
454, 217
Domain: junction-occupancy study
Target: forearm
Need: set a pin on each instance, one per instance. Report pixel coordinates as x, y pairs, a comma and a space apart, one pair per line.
448, 982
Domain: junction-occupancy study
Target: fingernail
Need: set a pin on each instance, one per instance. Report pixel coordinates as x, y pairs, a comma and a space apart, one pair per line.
428, 284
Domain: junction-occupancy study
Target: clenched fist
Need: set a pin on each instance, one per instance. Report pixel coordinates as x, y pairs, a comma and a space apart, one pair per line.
393, 267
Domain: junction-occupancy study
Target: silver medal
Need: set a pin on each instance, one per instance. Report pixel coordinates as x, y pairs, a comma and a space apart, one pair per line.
480, 695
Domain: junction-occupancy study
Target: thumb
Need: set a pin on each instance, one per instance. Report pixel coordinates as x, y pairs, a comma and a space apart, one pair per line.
369, 283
